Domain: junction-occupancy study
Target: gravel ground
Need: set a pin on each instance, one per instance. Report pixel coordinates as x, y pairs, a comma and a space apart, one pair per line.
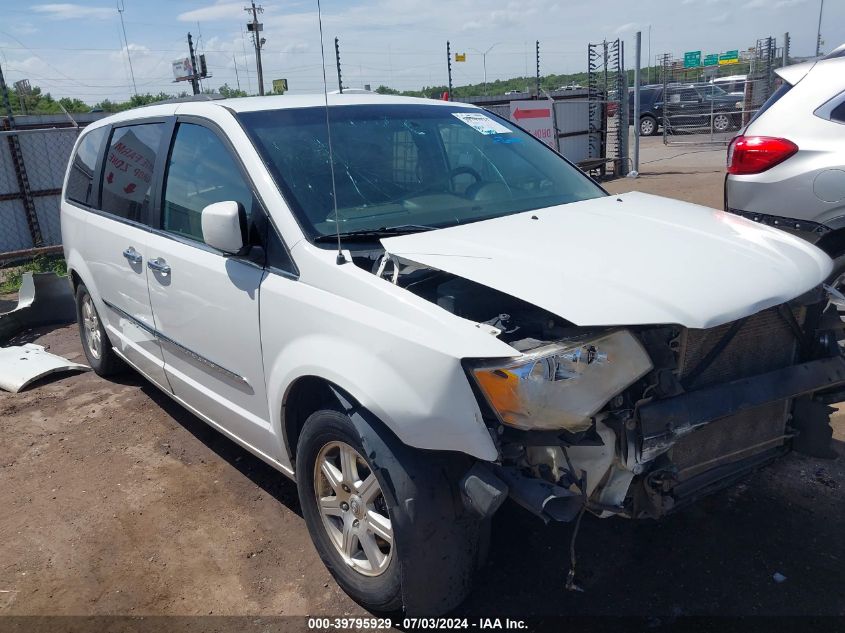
116, 501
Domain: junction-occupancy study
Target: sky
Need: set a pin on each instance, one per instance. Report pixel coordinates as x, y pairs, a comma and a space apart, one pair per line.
78, 49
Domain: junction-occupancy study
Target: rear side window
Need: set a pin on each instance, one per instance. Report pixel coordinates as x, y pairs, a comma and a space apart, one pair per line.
128, 172
80, 182
777, 95
838, 113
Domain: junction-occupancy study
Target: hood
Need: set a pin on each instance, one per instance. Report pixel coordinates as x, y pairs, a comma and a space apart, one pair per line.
630, 259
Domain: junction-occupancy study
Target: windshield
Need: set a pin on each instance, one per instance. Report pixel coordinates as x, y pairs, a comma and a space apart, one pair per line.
401, 165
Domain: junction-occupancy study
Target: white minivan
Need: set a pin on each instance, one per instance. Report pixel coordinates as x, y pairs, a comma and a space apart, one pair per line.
416, 309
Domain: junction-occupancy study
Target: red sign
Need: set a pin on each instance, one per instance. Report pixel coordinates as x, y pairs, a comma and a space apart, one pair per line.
525, 113
537, 118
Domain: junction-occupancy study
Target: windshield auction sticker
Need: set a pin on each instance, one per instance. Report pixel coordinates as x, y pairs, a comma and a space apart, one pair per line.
481, 123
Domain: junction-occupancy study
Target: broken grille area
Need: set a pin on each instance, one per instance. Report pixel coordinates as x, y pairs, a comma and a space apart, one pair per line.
764, 342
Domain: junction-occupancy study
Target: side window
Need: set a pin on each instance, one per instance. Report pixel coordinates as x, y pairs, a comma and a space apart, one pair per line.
838, 113
201, 171
128, 171
80, 182
689, 94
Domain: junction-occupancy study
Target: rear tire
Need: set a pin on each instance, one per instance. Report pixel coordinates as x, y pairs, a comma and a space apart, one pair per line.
437, 544
95, 341
722, 122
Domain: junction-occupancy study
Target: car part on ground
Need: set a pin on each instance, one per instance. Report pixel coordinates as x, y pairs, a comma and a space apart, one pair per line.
21, 365
43, 299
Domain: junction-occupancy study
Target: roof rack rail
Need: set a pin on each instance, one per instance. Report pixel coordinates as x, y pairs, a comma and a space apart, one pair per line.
200, 97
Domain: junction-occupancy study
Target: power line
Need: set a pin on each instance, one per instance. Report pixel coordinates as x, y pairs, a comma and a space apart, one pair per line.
120, 9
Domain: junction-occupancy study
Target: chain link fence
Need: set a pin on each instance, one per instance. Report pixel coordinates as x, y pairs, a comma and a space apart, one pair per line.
707, 104
33, 158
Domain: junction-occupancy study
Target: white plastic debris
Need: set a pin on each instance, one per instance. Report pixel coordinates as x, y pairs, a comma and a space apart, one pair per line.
778, 577
20, 365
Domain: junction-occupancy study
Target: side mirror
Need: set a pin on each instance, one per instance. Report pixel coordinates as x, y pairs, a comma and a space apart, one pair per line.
224, 226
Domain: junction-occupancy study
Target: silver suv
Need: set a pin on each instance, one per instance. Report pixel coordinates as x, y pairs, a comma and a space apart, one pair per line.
787, 167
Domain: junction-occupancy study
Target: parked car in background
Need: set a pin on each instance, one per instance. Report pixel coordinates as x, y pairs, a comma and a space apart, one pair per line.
691, 107
787, 168
385, 320
651, 109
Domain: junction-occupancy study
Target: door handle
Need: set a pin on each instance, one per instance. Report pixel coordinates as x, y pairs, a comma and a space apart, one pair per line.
159, 266
132, 255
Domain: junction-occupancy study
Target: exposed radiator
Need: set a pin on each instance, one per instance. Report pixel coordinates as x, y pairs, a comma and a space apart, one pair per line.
764, 342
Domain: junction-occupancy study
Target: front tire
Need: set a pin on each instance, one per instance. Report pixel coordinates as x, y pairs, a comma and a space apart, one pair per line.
648, 126
411, 524
95, 341
346, 511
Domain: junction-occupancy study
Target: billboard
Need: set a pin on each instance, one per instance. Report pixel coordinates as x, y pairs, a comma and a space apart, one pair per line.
182, 69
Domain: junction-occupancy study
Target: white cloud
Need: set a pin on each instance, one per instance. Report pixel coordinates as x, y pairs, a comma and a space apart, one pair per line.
67, 11
217, 11
295, 47
24, 28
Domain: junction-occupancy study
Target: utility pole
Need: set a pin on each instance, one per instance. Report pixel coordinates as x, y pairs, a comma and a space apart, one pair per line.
255, 27
120, 9
785, 60
537, 59
195, 84
337, 63
819, 31
636, 117
449, 66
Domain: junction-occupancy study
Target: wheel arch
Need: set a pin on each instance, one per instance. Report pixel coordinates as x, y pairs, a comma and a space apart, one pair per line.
833, 243
304, 396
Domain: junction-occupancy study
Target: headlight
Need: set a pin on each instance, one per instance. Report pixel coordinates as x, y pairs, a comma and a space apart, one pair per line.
738, 105
561, 386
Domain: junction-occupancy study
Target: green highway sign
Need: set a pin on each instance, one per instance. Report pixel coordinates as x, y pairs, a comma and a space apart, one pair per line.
692, 59
711, 60
729, 57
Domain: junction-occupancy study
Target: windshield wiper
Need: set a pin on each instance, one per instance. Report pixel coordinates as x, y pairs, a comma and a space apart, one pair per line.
368, 234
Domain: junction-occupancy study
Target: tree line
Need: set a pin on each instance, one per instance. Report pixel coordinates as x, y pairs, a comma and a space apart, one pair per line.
39, 102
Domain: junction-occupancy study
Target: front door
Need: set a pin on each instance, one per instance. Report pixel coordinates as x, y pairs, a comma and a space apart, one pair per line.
116, 246
206, 303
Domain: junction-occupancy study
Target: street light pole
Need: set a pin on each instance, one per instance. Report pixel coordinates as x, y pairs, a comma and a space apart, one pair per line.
484, 61
819, 31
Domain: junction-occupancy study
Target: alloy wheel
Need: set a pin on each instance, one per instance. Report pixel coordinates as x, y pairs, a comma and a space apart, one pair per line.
91, 327
353, 509
721, 122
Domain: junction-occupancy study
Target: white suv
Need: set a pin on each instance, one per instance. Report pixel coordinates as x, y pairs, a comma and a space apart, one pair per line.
428, 311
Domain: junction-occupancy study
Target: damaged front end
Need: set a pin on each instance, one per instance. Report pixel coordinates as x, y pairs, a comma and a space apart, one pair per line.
639, 421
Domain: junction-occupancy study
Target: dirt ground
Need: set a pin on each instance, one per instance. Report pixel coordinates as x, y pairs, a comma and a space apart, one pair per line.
114, 500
